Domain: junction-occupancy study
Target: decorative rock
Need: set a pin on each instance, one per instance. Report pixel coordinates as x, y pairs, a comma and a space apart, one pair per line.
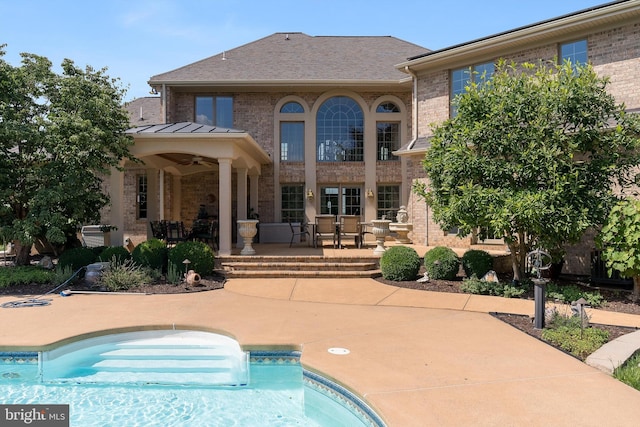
47, 263
491, 276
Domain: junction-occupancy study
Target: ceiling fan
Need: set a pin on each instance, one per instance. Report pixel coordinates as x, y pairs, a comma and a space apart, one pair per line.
197, 161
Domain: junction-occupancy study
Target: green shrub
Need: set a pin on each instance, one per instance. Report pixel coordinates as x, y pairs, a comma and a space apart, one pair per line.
441, 263
119, 252
152, 254
97, 250
24, 275
571, 293
123, 275
476, 262
477, 286
567, 333
76, 258
400, 263
199, 254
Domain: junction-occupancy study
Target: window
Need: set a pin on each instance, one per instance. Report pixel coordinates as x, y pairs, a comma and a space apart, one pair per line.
575, 52
339, 132
387, 107
388, 201
292, 141
341, 200
141, 197
214, 111
388, 135
291, 107
293, 203
461, 78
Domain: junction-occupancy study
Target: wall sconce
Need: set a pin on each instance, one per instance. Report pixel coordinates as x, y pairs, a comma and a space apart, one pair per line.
370, 193
309, 194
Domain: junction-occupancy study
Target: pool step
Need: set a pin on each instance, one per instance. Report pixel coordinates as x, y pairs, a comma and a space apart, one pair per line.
165, 360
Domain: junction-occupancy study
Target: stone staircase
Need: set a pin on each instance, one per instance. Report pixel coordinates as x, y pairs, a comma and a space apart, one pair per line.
299, 266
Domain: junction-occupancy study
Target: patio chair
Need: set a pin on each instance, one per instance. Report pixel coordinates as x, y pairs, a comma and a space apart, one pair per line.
298, 230
158, 229
207, 232
325, 228
175, 232
350, 227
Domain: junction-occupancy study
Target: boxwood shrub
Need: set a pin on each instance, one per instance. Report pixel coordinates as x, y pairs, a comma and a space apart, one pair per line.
400, 263
151, 253
76, 258
441, 263
476, 262
199, 254
119, 252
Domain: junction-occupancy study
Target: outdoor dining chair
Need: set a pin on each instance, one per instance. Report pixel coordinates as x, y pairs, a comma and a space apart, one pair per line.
350, 227
298, 229
325, 228
175, 232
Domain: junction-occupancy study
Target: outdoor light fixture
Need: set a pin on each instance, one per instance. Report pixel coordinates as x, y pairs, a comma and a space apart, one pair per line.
309, 194
370, 193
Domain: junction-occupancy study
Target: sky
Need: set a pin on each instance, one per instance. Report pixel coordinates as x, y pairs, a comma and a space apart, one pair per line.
137, 39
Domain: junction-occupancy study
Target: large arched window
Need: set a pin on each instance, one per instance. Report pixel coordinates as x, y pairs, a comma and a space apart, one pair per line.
340, 131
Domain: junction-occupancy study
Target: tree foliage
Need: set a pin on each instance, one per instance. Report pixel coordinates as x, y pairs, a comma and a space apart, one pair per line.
59, 136
620, 241
531, 156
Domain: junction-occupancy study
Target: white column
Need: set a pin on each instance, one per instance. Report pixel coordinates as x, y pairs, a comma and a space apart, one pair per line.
116, 193
224, 203
241, 202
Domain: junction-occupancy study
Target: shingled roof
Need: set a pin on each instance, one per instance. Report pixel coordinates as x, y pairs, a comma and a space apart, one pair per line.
283, 58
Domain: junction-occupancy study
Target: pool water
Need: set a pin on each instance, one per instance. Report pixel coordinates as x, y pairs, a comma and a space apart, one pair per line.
279, 393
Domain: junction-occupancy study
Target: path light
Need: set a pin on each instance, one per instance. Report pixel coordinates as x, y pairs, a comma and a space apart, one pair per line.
186, 263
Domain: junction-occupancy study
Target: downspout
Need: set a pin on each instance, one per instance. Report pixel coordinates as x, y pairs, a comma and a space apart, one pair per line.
414, 131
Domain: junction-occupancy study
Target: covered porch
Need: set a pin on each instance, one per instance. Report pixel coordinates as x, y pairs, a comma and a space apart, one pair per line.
183, 158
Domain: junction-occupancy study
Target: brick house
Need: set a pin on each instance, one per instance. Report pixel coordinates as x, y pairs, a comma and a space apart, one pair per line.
293, 125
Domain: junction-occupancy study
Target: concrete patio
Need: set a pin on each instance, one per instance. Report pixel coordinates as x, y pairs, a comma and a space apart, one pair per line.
418, 358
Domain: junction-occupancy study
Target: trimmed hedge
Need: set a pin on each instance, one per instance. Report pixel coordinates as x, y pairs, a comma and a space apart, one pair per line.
441, 263
76, 258
476, 262
400, 263
199, 254
119, 252
151, 253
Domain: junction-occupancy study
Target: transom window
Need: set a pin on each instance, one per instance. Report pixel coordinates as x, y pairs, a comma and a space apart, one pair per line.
387, 107
575, 52
388, 201
214, 111
292, 107
388, 135
462, 77
340, 131
293, 203
341, 200
292, 141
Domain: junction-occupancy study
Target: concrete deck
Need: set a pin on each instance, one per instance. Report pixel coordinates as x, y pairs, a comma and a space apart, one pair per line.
418, 358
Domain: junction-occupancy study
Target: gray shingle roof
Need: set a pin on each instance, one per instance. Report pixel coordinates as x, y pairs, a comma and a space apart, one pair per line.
144, 111
284, 57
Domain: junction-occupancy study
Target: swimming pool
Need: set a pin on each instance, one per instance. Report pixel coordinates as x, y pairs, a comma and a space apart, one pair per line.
275, 391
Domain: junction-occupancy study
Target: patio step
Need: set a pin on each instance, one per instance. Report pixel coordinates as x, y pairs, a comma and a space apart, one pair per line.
273, 267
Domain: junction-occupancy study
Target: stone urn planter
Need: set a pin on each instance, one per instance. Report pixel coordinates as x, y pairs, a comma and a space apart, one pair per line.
248, 228
380, 231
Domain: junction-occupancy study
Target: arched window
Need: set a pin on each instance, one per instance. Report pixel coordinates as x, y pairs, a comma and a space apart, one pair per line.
387, 107
292, 107
340, 131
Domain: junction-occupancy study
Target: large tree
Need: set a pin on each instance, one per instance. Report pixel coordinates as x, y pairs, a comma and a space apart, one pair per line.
532, 155
59, 136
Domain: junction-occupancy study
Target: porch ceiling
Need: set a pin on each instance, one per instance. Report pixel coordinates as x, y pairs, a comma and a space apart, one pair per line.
188, 147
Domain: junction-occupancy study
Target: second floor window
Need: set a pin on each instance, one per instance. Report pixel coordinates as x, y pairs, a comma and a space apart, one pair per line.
575, 52
292, 141
462, 77
340, 131
388, 135
214, 111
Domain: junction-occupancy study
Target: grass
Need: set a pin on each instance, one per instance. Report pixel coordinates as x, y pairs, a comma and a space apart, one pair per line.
629, 371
